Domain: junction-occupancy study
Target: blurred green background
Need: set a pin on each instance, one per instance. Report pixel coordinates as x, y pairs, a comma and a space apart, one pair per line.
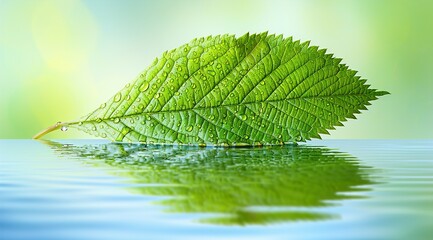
61, 59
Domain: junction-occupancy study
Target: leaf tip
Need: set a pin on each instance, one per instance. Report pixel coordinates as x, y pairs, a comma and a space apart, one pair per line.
382, 93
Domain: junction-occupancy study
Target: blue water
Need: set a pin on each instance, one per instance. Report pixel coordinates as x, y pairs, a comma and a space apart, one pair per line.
331, 189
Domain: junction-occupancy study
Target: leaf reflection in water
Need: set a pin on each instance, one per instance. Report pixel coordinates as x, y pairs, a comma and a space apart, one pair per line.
241, 186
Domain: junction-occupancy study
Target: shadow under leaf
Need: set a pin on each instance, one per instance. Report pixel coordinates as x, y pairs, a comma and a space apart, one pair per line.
238, 186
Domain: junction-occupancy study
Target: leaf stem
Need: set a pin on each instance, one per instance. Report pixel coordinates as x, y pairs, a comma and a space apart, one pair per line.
54, 127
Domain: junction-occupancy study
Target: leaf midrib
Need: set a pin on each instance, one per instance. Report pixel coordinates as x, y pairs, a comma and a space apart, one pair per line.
375, 93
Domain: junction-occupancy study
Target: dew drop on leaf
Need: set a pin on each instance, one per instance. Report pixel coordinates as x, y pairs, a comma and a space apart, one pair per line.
117, 97
244, 117
116, 120
189, 129
64, 128
144, 87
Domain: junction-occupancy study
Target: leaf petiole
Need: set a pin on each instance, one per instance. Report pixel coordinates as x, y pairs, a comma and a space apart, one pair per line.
54, 127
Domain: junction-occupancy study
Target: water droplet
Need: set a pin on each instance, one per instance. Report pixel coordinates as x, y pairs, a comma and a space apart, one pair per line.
144, 87
116, 120
211, 72
244, 117
127, 85
164, 74
193, 86
157, 95
263, 83
168, 65
98, 120
132, 121
246, 137
243, 72
80, 123
219, 65
94, 128
117, 97
189, 129
177, 93
185, 76
143, 122
280, 136
102, 105
212, 117
64, 128
179, 68
104, 135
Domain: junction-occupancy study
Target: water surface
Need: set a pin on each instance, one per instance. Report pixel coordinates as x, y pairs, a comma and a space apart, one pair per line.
336, 189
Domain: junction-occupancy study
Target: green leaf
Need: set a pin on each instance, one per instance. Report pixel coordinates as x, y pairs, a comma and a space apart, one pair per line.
222, 90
